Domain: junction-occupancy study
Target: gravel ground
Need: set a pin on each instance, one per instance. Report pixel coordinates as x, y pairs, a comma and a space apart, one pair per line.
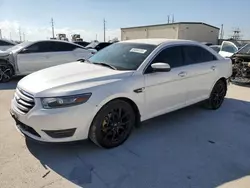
189, 148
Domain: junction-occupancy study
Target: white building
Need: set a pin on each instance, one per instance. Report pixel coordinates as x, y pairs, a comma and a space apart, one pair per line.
197, 31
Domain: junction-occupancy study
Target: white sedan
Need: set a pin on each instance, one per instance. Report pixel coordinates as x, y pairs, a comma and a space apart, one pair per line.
131, 81
28, 57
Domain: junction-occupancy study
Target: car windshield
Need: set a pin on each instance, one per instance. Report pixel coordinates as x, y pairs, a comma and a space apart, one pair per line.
123, 56
244, 50
18, 47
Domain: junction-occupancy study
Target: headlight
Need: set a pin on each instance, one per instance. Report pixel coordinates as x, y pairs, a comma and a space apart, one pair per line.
60, 102
248, 64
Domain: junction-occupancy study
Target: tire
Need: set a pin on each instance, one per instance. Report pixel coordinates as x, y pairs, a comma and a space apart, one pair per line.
217, 96
6, 72
113, 124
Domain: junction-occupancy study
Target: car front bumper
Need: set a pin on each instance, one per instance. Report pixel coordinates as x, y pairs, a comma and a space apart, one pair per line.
54, 125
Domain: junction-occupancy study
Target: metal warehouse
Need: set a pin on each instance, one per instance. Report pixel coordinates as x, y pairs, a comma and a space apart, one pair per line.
197, 31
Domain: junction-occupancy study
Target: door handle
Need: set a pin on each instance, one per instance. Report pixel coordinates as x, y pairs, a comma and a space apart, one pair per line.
182, 74
213, 67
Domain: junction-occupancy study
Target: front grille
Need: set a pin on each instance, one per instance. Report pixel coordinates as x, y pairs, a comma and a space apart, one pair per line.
24, 101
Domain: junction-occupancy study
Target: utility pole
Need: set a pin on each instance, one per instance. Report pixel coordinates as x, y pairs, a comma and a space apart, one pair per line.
1, 34
20, 34
222, 32
173, 18
52, 27
23, 36
95, 36
104, 30
168, 19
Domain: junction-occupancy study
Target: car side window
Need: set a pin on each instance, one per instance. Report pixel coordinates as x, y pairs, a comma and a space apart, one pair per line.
63, 47
4, 43
196, 54
172, 56
39, 47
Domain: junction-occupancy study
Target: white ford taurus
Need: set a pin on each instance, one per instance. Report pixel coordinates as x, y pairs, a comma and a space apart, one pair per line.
104, 97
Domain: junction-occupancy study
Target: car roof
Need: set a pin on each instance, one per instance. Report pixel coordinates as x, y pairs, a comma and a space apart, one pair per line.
54, 40
158, 41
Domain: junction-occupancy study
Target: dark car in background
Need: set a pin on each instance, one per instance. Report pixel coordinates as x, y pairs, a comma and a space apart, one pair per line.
98, 45
82, 43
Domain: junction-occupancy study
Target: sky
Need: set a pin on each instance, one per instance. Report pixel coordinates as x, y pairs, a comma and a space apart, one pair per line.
85, 17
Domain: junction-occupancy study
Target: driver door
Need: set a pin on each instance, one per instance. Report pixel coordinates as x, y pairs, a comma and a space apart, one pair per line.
165, 91
227, 49
34, 58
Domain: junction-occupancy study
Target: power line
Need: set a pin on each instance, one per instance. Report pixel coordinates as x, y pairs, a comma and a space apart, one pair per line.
52, 27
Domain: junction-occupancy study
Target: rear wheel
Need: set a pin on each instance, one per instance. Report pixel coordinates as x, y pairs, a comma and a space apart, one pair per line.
112, 124
6, 72
217, 95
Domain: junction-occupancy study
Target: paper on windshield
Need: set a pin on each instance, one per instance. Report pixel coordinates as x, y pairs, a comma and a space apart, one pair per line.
138, 50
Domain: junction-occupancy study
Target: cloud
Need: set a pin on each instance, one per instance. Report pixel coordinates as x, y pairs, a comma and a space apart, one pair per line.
10, 29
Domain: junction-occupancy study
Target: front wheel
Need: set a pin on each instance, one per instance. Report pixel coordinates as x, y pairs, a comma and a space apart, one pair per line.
217, 95
112, 124
6, 72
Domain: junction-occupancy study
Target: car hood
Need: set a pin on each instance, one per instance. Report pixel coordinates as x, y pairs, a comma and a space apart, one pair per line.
70, 78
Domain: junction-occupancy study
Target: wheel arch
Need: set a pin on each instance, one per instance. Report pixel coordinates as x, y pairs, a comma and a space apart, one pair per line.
133, 105
127, 99
4, 61
222, 79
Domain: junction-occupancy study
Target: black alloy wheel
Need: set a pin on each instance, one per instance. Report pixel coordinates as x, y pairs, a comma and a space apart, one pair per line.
217, 95
6, 72
112, 124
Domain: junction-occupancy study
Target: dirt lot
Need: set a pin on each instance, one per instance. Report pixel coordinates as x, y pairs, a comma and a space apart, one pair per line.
190, 148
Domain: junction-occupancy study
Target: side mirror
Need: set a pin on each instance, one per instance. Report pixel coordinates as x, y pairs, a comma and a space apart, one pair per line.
161, 67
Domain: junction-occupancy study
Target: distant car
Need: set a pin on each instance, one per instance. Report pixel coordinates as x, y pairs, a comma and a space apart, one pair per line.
215, 47
207, 43
5, 44
82, 43
228, 48
103, 97
29, 57
98, 45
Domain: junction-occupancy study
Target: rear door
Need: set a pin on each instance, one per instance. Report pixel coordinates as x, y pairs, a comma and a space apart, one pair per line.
66, 52
62, 53
228, 49
201, 66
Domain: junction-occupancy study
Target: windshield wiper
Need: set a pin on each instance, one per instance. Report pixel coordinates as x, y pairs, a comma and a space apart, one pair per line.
106, 65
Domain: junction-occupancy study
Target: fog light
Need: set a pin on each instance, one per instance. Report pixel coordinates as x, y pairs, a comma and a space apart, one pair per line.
60, 133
